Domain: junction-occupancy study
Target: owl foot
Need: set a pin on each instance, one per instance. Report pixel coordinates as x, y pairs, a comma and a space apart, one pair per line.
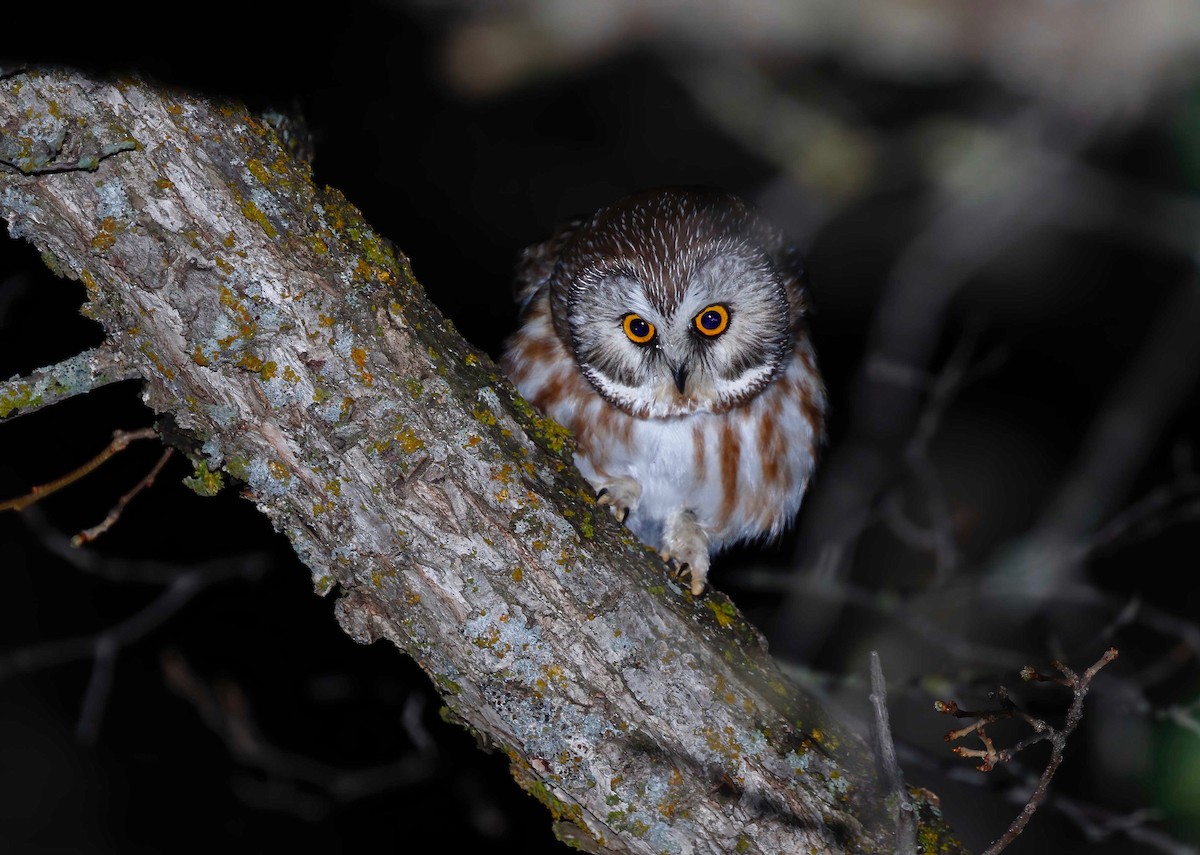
621, 495
682, 571
685, 551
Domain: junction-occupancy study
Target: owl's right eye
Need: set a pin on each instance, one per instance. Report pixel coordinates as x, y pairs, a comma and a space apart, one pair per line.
639, 330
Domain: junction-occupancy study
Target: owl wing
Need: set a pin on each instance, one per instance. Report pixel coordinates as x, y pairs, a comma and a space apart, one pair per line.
536, 263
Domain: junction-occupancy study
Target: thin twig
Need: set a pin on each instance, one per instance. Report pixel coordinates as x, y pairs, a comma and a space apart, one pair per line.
90, 534
990, 755
120, 442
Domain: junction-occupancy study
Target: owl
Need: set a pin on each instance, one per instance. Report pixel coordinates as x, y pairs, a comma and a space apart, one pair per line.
666, 333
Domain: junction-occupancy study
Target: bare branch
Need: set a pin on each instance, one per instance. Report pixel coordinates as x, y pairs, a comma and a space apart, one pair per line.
906, 827
104, 647
119, 443
42, 158
74, 376
1156, 383
226, 710
991, 756
90, 534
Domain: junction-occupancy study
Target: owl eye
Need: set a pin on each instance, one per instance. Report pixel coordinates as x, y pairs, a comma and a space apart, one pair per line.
712, 321
639, 330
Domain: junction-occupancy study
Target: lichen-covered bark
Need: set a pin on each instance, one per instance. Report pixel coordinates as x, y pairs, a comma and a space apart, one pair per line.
272, 323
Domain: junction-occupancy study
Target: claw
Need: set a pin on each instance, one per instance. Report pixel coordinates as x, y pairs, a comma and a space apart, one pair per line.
620, 511
680, 572
674, 569
620, 495
696, 586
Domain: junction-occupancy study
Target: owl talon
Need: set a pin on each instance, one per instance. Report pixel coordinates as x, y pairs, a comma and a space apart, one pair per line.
604, 497
685, 549
621, 496
681, 571
696, 582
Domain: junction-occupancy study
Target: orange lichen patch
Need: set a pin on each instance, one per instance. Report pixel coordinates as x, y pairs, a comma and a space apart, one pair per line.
106, 237
250, 362
162, 368
670, 807
247, 324
504, 474
359, 356
409, 442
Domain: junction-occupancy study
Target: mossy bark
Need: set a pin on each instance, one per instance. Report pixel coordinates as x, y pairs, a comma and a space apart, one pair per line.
291, 341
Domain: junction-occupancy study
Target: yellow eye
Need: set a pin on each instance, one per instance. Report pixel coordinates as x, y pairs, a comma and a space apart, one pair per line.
712, 321
639, 330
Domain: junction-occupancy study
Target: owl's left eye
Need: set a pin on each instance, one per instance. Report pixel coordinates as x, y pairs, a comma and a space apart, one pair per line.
712, 321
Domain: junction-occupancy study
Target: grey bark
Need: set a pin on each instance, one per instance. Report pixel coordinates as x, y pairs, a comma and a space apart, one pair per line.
271, 323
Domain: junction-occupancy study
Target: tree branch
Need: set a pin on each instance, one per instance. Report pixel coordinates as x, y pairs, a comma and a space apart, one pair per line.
76, 375
292, 342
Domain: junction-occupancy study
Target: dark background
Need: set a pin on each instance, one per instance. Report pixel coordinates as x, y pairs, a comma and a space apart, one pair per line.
245, 718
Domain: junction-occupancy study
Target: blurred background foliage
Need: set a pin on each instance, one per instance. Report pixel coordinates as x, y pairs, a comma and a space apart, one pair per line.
998, 206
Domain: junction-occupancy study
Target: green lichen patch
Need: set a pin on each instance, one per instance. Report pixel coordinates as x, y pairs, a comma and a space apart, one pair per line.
934, 835
561, 811
255, 214
56, 265
238, 467
553, 436
204, 481
17, 398
725, 612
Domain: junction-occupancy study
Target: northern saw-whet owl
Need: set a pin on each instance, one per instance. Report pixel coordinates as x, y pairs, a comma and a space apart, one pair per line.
666, 333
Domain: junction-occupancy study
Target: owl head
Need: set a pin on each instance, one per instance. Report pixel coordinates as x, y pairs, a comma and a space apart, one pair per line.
675, 301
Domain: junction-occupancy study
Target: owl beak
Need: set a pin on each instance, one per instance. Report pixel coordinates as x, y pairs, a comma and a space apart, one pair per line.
681, 374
